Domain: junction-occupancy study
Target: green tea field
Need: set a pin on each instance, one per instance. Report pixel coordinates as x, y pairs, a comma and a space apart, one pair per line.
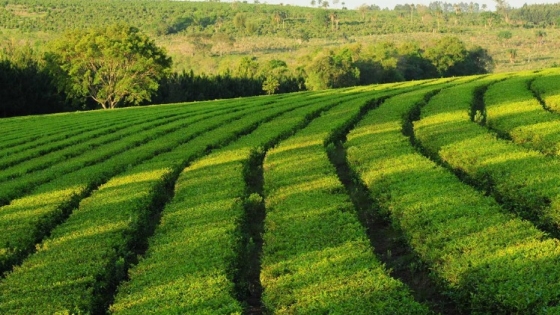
424, 197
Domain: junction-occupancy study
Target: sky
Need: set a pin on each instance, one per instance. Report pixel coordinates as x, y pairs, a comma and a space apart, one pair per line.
352, 4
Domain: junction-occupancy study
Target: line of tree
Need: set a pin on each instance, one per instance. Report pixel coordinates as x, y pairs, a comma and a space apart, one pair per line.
538, 15
118, 66
235, 19
385, 62
26, 86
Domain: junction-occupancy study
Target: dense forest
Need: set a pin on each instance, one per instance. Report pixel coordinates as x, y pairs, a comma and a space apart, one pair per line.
240, 18
245, 37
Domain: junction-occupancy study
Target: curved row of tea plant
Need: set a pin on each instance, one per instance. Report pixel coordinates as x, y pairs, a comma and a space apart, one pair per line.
59, 130
513, 111
22, 133
78, 213
62, 133
482, 257
497, 253
27, 220
547, 88
23, 153
523, 180
20, 186
200, 223
316, 256
91, 141
77, 268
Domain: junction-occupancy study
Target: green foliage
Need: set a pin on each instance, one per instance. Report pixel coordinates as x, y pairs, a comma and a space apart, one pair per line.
82, 193
271, 84
547, 88
206, 208
313, 241
441, 216
538, 14
329, 70
115, 65
505, 35
240, 21
446, 53
321, 19
450, 56
27, 87
277, 77
248, 67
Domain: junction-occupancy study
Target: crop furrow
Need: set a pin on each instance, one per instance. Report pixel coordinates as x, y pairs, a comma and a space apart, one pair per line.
313, 240
470, 241
388, 242
546, 89
82, 148
23, 185
204, 213
537, 94
28, 220
107, 228
247, 265
73, 145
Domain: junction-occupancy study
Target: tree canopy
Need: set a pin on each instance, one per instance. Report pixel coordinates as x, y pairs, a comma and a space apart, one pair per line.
112, 65
330, 70
26, 88
450, 56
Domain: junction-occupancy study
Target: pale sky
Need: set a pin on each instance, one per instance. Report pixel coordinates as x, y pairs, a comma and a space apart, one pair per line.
352, 4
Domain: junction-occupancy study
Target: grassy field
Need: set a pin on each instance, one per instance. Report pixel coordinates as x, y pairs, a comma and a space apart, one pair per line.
531, 53
422, 197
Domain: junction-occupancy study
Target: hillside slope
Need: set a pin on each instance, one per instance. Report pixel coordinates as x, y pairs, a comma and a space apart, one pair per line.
419, 197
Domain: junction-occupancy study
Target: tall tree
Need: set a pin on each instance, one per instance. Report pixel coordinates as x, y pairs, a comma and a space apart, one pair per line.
328, 70
363, 10
445, 53
26, 88
334, 19
113, 65
502, 7
280, 16
248, 67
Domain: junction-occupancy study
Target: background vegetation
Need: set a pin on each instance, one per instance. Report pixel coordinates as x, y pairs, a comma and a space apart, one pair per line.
223, 50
